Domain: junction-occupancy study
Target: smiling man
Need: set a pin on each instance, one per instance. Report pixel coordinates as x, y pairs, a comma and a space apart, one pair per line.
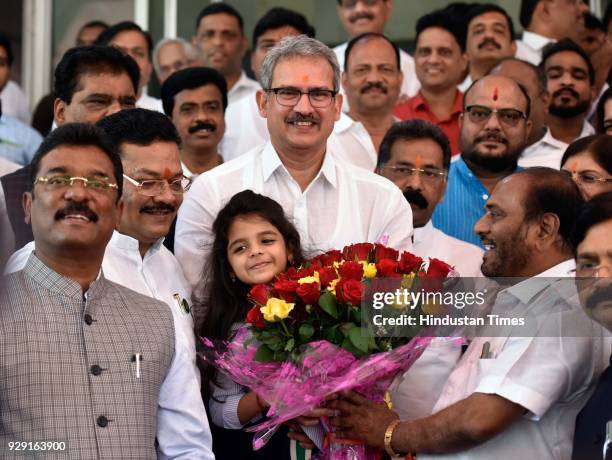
331, 203
195, 99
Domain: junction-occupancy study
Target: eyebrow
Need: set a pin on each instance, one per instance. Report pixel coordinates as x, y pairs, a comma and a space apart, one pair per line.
260, 234
149, 172
64, 170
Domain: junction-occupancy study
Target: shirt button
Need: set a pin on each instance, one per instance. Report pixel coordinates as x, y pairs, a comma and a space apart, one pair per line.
485, 196
88, 319
102, 421
95, 369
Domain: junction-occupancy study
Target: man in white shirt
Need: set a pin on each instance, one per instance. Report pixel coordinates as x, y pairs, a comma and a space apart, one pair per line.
545, 22
221, 43
570, 81
331, 203
195, 99
13, 99
415, 156
370, 16
136, 43
372, 79
509, 396
245, 128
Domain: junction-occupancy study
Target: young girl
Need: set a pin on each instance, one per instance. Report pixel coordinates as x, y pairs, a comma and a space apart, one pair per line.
253, 243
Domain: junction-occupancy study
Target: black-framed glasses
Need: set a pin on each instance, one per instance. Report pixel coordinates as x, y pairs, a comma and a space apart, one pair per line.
480, 114
404, 172
154, 187
586, 177
289, 97
60, 182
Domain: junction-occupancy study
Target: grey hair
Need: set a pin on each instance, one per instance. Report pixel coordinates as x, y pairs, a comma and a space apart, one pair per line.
189, 51
298, 46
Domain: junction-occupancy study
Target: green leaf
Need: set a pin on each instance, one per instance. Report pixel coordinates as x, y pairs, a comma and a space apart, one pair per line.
329, 305
333, 335
358, 339
306, 331
264, 354
345, 328
348, 346
290, 344
275, 343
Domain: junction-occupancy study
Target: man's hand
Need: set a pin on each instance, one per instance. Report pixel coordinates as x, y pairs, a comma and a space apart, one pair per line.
361, 418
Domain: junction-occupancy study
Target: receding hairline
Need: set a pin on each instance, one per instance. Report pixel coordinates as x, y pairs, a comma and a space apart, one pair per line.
502, 78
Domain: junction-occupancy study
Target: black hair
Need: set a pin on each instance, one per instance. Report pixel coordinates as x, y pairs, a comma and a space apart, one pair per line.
6, 44
592, 22
567, 44
221, 8
520, 86
443, 20
601, 105
91, 60
191, 78
526, 13
107, 36
138, 126
364, 37
279, 17
95, 23
478, 10
78, 134
538, 72
225, 300
595, 211
551, 191
410, 130
598, 146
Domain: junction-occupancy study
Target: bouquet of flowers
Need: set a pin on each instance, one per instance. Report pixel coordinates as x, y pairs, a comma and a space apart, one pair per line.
307, 335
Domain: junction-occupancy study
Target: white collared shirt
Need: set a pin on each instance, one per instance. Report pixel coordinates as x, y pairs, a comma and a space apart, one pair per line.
245, 128
245, 86
187, 172
182, 422
15, 103
466, 258
410, 84
353, 144
465, 84
548, 151
549, 375
343, 204
530, 47
149, 102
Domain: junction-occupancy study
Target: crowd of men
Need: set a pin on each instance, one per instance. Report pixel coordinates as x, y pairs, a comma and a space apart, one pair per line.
487, 151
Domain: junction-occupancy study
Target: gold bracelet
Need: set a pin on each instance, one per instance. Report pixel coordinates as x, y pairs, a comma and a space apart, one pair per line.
389, 435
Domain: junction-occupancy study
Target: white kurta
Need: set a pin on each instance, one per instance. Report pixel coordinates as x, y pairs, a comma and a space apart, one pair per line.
530, 47
353, 144
244, 87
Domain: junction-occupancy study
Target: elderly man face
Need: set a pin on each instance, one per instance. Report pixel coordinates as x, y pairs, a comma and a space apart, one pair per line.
301, 106
489, 39
362, 16
373, 78
170, 58
494, 125
568, 84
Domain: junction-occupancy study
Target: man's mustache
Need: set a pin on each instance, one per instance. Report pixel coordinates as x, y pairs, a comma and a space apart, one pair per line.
489, 41
572, 91
298, 117
76, 208
416, 198
199, 125
358, 16
602, 294
374, 85
491, 136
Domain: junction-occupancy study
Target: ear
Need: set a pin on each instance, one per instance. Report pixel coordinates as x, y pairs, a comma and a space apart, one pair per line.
338, 106
545, 97
120, 211
547, 231
344, 80
59, 111
262, 102
543, 9
465, 60
513, 46
460, 120
26, 202
528, 126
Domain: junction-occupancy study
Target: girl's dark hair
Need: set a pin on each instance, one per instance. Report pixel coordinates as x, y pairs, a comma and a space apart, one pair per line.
224, 301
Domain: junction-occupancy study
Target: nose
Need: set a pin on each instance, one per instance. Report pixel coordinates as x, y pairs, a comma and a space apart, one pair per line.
492, 123
255, 250
166, 196
114, 107
481, 228
303, 104
604, 271
414, 181
77, 192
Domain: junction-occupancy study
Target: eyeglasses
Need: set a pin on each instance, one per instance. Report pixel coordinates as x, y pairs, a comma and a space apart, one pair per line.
154, 187
588, 269
289, 97
404, 172
60, 182
607, 126
353, 3
480, 114
586, 178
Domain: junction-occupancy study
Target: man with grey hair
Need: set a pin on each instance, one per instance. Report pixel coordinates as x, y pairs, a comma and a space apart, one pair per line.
170, 55
331, 203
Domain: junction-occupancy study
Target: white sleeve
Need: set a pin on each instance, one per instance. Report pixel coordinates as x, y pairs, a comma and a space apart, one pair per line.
182, 425
397, 221
223, 404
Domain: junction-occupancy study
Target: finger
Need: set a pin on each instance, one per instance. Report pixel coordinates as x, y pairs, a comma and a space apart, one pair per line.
341, 422
321, 412
304, 440
343, 406
307, 421
354, 398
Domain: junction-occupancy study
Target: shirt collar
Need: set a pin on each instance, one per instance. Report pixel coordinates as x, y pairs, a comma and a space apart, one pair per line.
419, 103
421, 233
587, 130
345, 123
536, 41
243, 82
526, 290
187, 172
128, 243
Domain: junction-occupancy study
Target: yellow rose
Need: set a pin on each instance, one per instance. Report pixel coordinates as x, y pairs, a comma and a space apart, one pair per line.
310, 279
369, 269
332, 286
276, 309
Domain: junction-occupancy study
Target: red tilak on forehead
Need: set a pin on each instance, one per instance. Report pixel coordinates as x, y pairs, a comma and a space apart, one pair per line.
305, 79
495, 94
167, 173
574, 167
418, 161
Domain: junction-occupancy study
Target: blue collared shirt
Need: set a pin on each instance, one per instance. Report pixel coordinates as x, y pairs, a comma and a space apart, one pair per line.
18, 141
463, 204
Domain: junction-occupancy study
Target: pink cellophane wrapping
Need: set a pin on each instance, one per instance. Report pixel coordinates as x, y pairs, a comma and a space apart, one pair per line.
323, 369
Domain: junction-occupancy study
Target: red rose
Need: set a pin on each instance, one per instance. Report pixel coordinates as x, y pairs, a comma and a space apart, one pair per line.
309, 292
383, 252
330, 257
359, 251
290, 274
327, 275
351, 270
259, 294
349, 291
304, 272
255, 317
286, 289
438, 269
409, 262
387, 268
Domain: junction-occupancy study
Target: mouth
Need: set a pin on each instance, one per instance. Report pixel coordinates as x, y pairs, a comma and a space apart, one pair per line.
80, 217
157, 211
488, 245
77, 214
361, 18
259, 265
